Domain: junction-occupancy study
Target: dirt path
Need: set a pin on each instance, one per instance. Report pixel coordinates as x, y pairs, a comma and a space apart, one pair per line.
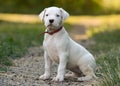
26, 71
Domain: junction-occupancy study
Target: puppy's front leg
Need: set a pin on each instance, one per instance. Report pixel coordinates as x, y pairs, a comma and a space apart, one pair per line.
61, 68
46, 74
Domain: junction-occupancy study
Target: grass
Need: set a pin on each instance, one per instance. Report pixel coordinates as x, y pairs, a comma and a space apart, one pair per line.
15, 39
107, 52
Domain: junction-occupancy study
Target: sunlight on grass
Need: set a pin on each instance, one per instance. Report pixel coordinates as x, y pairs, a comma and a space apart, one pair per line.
20, 18
83, 20
95, 30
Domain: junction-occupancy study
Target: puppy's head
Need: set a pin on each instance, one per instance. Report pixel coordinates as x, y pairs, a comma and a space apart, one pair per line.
53, 17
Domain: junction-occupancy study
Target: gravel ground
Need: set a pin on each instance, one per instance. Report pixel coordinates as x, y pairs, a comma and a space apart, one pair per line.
26, 71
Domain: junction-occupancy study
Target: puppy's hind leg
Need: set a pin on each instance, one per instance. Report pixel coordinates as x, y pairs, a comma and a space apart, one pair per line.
88, 73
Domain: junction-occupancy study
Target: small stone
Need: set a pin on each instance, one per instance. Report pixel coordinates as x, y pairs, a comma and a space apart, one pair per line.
37, 78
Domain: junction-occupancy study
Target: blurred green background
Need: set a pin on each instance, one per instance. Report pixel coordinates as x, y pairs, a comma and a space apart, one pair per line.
20, 27
74, 7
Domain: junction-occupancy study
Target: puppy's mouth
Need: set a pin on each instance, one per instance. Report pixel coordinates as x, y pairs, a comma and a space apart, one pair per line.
51, 27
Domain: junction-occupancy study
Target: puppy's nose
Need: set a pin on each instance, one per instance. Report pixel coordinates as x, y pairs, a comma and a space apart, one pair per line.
51, 20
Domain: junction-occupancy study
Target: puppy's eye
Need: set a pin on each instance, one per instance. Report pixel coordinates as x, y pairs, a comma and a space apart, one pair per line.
57, 15
46, 15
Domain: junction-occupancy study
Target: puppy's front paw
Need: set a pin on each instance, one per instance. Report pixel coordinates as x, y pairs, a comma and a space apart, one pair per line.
58, 79
44, 77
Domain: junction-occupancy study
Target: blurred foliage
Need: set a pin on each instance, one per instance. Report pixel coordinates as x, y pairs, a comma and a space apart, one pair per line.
75, 7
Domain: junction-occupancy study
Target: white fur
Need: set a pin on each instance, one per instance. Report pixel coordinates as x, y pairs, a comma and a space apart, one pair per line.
60, 48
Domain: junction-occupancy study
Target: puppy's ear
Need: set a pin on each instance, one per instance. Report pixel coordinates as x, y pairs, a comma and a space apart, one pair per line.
65, 14
42, 14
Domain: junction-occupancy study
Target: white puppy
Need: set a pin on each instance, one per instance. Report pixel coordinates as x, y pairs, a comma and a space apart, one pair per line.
59, 47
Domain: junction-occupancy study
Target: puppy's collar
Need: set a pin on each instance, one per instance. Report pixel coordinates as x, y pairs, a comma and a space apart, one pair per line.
53, 32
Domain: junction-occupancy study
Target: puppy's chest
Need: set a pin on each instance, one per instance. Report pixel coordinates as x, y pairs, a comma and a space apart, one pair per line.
51, 48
